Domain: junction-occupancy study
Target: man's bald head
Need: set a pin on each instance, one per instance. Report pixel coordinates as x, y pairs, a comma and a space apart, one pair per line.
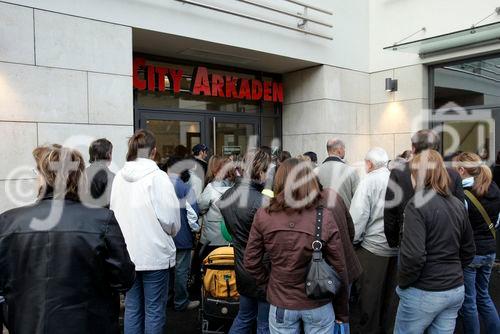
336, 147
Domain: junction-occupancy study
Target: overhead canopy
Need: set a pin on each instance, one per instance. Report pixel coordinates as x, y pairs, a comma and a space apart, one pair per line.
454, 41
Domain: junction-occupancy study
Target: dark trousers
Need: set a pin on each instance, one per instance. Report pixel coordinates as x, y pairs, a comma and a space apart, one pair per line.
376, 307
201, 251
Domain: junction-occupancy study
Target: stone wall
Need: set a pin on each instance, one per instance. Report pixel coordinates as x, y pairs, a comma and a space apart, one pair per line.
325, 102
63, 79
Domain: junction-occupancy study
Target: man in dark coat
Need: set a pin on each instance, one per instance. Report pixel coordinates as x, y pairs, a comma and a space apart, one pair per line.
238, 206
99, 177
400, 188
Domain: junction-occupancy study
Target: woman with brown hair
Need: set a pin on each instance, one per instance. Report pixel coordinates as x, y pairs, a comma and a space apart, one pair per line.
238, 206
437, 243
285, 231
483, 205
63, 264
146, 206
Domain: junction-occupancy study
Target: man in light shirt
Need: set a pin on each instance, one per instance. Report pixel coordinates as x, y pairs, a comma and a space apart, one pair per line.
377, 284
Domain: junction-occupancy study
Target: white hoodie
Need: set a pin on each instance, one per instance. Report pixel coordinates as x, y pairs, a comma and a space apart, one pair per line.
147, 209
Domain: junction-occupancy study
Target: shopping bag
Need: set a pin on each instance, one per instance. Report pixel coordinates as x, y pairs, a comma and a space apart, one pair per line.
341, 328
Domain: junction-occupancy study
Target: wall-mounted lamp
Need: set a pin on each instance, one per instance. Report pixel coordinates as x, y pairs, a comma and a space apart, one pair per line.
391, 85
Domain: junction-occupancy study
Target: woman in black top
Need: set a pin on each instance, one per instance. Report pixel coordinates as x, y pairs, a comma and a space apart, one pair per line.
496, 170
481, 195
437, 243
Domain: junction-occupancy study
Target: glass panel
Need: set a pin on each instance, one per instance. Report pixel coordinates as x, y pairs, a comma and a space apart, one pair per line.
467, 136
451, 40
233, 138
269, 128
174, 137
468, 83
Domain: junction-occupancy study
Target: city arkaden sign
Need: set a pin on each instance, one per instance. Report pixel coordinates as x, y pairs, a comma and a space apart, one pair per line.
205, 83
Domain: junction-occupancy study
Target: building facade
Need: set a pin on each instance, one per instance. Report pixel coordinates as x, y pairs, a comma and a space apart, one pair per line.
73, 71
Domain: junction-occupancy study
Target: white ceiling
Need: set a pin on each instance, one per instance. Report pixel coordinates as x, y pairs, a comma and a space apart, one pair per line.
173, 46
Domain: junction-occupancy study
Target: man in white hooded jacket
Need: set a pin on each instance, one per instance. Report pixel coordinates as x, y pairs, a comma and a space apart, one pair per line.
147, 209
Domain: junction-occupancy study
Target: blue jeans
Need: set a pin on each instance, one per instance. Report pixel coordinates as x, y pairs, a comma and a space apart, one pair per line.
319, 320
146, 303
182, 270
251, 309
434, 311
477, 297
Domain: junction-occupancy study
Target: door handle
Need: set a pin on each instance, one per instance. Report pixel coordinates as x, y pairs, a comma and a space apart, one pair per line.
214, 135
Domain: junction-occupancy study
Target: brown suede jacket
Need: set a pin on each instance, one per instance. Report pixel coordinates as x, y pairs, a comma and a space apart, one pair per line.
287, 238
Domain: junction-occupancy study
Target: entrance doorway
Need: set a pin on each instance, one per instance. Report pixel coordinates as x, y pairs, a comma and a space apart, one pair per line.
178, 132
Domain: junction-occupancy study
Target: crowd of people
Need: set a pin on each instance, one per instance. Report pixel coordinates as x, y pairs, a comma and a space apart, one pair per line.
412, 242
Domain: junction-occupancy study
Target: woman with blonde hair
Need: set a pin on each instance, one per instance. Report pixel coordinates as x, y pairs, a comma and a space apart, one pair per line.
437, 243
220, 177
483, 205
63, 263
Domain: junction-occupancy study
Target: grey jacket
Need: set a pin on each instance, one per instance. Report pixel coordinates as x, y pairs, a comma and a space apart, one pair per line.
367, 212
209, 212
336, 174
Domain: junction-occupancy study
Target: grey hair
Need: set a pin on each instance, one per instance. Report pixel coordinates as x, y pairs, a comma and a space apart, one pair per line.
378, 157
333, 144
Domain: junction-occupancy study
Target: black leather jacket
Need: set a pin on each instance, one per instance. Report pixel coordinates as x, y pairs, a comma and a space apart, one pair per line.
238, 217
62, 268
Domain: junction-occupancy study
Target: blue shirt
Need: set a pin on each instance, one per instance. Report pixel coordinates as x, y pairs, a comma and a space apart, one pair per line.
185, 194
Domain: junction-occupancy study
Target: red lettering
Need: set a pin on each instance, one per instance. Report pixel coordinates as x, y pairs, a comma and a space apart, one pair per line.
201, 84
150, 77
277, 92
256, 90
217, 85
138, 83
175, 79
267, 91
245, 92
231, 87
161, 71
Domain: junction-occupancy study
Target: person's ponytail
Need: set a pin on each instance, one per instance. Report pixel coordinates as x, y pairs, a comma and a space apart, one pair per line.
140, 145
482, 180
476, 168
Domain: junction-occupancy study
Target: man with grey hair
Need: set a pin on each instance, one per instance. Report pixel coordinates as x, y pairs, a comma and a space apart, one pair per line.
336, 174
377, 284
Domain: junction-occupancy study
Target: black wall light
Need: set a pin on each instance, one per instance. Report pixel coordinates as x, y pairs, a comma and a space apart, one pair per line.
391, 85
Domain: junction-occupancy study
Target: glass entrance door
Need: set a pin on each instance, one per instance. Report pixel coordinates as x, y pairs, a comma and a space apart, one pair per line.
177, 133
233, 136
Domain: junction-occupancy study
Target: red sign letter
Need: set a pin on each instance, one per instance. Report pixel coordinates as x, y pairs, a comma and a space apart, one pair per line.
200, 82
217, 85
150, 77
175, 79
245, 92
256, 90
231, 87
139, 83
277, 92
267, 91
161, 77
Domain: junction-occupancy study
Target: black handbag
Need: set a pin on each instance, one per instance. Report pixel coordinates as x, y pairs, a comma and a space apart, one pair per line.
322, 281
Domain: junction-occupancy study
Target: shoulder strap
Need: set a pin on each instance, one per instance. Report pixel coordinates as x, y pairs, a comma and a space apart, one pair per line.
319, 223
482, 211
